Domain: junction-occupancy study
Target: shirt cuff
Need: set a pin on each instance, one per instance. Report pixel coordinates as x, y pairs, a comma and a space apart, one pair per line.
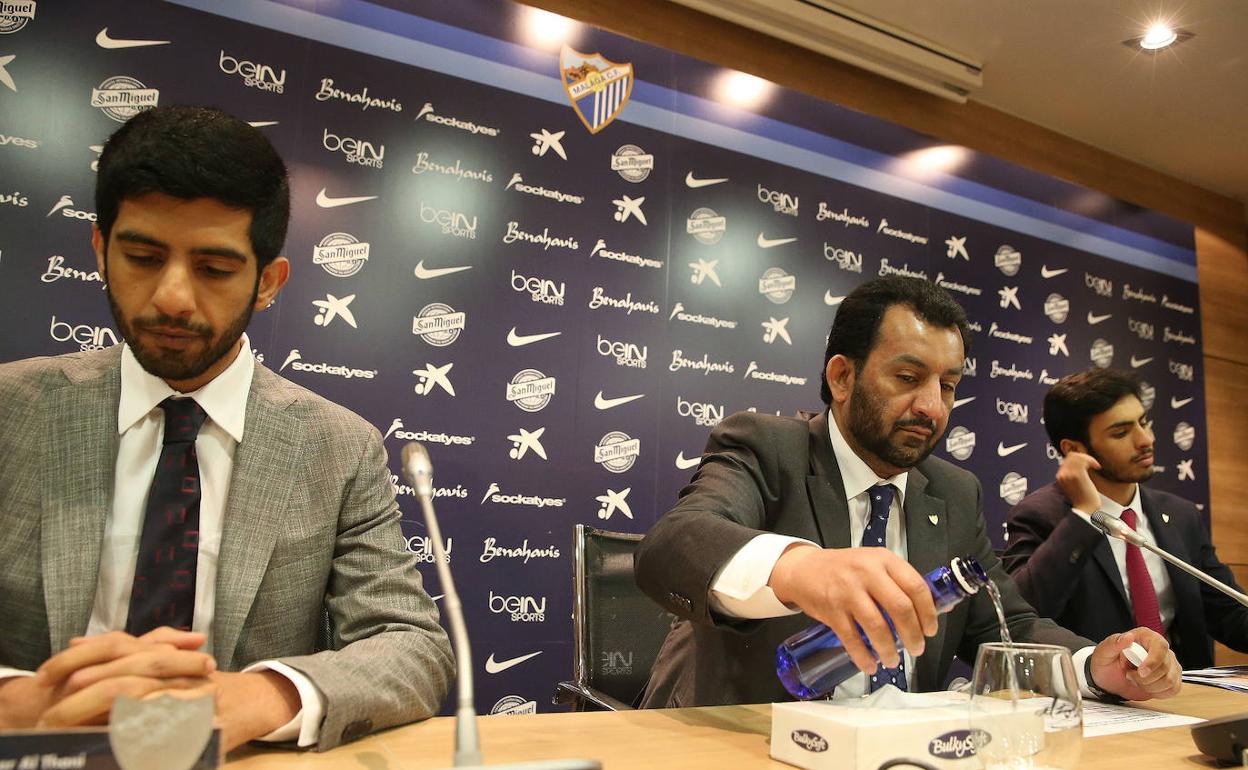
1080, 659
9, 673
306, 725
739, 589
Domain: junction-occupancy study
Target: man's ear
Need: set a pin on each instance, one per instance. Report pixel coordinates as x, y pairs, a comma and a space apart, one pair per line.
1068, 445
272, 278
840, 373
98, 244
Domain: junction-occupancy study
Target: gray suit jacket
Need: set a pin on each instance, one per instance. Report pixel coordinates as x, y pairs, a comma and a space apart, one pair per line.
311, 526
778, 474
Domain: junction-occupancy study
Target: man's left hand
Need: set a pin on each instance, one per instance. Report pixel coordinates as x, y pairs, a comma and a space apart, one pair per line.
1158, 676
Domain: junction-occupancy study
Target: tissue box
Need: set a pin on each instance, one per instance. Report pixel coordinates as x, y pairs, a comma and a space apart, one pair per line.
863, 734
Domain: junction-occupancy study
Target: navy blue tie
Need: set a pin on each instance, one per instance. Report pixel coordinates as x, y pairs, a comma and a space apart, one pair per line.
164, 573
881, 500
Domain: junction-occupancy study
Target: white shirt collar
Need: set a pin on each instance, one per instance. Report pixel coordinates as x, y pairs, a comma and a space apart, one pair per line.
224, 398
1115, 510
856, 476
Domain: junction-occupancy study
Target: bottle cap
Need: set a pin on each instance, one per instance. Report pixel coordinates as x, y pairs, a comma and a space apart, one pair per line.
968, 573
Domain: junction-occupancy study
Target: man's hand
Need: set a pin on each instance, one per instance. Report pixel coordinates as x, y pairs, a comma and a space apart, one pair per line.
252, 705
78, 685
1158, 676
841, 587
1076, 483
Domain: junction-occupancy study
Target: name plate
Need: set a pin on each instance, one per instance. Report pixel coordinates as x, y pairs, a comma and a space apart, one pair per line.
163, 733
80, 749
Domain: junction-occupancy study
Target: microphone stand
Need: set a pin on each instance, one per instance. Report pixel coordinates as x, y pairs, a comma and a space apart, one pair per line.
419, 472
1116, 529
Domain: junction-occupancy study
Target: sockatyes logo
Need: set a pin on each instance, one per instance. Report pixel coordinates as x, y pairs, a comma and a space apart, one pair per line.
295, 361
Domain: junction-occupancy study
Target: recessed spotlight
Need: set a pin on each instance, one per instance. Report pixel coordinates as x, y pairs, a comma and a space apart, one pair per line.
1158, 37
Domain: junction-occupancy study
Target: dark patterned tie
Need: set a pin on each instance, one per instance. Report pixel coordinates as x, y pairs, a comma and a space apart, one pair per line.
881, 499
1140, 584
164, 573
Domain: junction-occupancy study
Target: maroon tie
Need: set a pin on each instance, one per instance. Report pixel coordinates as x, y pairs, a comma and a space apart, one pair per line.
164, 572
1140, 584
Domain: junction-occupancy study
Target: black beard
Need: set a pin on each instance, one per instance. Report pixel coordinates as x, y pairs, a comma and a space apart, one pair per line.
1117, 476
866, 425
173, 365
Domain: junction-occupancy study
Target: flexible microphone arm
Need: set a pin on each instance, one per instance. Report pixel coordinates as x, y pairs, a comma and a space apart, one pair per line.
1117, 529
419, 472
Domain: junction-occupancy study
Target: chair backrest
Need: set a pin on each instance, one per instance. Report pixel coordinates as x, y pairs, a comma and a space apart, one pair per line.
618, 629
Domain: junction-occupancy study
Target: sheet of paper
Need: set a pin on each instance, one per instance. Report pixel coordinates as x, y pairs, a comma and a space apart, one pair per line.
1107, 719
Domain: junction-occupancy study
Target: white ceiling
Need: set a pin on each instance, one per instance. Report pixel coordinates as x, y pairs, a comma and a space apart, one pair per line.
1061, 64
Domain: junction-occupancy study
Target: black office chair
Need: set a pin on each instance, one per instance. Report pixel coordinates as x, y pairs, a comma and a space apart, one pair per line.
617, 629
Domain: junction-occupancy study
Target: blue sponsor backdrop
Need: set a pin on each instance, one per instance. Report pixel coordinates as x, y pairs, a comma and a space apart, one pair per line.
560, 315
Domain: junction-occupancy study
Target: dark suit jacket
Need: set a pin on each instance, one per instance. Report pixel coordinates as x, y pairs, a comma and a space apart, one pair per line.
310, 527
778, 474
1065, 568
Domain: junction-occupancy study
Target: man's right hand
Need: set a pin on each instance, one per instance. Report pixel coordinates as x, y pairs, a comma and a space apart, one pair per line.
1075, 480
841, 587
78, 685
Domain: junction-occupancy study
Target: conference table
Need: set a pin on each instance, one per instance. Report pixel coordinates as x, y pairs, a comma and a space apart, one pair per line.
712, 737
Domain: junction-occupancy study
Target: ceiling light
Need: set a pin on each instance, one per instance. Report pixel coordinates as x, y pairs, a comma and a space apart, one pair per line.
543, 29
741, 89
1158, 37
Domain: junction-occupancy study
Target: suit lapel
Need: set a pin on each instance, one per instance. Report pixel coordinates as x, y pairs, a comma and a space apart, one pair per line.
260, 488
80, 459
1104, 559
927, 547
826, 489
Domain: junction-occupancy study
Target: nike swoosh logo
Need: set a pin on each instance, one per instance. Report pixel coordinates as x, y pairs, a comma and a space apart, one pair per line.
425, 273
684, 464
1006, 451
1096, 319
516, 340
1176, 403
497, 667
261, 123
1136, 363
327, 202
771, 243
695, 183
957, 402
1047, 273
435, 597
608, 403
828, 299
104, 41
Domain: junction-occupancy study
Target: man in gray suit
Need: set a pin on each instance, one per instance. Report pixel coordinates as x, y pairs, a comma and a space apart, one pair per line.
173, 515
833, 519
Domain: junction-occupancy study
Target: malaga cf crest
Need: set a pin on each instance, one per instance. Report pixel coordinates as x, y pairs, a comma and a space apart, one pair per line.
597, 87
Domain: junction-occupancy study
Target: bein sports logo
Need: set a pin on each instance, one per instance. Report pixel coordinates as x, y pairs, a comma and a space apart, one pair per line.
781, 202
541, 290
845, 259
521, 609
707, 415
422, 547
453, 223
86, 336
625, 353
1013, 410
262, 77
358, 151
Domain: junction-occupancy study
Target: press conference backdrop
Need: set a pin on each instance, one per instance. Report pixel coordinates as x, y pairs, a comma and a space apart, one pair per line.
559, 269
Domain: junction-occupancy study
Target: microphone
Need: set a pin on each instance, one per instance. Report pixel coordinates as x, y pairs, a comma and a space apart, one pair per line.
419, 472
1116, 528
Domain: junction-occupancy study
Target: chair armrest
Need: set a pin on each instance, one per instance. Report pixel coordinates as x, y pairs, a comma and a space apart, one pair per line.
587, 698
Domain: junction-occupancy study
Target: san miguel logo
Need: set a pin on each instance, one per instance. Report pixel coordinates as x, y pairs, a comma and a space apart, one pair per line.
597, 87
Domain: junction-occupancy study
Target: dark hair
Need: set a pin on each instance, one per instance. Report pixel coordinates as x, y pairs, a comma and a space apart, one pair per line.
1070, 405
197, 152
855, 330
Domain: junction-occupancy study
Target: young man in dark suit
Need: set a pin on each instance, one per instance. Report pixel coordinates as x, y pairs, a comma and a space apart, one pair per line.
1096, 585
782, 518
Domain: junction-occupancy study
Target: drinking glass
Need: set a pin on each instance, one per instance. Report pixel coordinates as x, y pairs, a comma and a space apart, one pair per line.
1026, 712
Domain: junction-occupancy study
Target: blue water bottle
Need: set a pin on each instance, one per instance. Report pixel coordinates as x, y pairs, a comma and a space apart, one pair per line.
812, 662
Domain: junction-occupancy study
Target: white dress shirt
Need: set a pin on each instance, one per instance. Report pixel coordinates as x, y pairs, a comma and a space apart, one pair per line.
1156, 566
739, 589
140, 424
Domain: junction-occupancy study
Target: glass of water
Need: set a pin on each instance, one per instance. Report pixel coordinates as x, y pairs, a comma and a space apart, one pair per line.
1026, 712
